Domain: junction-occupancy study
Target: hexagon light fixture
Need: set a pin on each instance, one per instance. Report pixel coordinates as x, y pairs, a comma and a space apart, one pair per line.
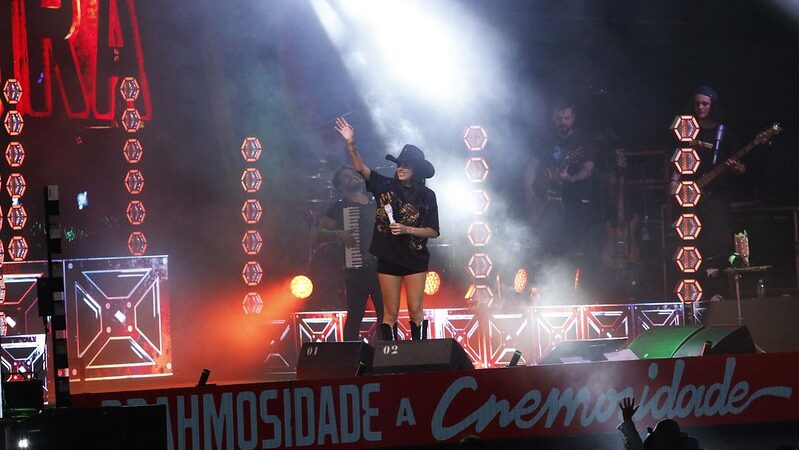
475, 138
688, 259
685, 128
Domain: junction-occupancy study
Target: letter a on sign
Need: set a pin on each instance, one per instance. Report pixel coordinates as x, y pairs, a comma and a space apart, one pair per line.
405, 413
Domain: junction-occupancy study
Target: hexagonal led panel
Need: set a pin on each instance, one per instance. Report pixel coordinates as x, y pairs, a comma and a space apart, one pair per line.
688, 226
688, 259
12, 91
479, 202
476, 170
251, 180
686, 161
252, 303
137, 243
252, 273
136, 212
129, 88
520, 281
251, 211
15, 154
478, 295
17, 216
16, 185
479, 234
131, 120
252, 242
17, 248
133, 151
14, 123
475, 138
134, 181
432, 283
301, 287
687, 194
251, 149
685, 128
480, 265
689, 291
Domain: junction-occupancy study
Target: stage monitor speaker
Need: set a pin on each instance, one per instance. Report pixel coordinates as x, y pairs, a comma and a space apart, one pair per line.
662, 342
723, 340
334, 359
586, 350
420, 356
27, 394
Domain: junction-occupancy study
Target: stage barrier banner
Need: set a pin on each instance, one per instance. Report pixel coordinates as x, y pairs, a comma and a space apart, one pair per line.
427, 408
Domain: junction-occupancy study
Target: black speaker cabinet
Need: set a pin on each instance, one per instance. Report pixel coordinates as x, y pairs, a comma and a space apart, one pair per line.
334, 359
582, 351
420, 356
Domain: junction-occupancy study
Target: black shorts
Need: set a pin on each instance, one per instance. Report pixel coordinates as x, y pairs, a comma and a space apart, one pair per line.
389, 268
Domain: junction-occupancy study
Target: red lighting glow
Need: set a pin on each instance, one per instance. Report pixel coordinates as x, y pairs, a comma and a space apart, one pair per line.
686, 161
685, 128
251, 149
17, 248
12, 91
689, 291
520, 281
131, 120
688, 194
251, 211
129, 88
14, 123
479, 294
15, 154
252, 273
688, 226
134, 181
252, 242
688, 259
136, 212
16, 185
480, 265
137, 243
252, 303
251, 180
17, 216
132, 151
432, 283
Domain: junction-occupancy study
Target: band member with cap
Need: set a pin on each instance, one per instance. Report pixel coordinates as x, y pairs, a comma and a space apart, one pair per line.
407, 216
360, 281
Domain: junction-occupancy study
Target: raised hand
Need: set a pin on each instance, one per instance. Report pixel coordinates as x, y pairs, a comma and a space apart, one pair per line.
345, 129
628, 408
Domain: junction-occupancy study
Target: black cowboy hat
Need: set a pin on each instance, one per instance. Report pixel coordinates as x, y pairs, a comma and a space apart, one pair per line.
414, 157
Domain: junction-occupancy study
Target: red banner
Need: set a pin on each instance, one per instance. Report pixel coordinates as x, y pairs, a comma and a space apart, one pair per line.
421, 409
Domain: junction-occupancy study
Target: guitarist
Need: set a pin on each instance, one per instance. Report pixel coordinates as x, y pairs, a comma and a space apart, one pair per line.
558, 185
714, 144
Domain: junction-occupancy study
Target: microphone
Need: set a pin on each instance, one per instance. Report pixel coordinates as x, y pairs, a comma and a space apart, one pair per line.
717, 145
389, 212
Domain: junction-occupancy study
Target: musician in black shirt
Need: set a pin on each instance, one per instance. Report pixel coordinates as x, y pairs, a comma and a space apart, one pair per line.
406, 217
360, 274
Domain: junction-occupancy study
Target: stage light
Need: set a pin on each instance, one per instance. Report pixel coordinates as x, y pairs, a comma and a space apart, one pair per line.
3, 297
16, 185
689, 291
134, 181
520, 281
688, 259
129, 89
252, 303
479, 295
479, 234
686, 161
251, 149
252, 242
480, 265
12, 91
14, 123
135, 212
688, 194
82, 200
301, 287
432, 283
251, 180
17, 216
251, 211
476, 170
132, 151
686, 128
15, 154
252, 273
475, 138
18, 248
688, 226
137, 243
131, 120
479, 202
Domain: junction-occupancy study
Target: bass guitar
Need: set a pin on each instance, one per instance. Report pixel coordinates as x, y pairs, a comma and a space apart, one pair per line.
548, 186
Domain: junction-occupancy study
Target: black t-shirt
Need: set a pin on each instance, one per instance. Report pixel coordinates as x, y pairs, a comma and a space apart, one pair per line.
711, 157
578, 149
410, 207
367, 216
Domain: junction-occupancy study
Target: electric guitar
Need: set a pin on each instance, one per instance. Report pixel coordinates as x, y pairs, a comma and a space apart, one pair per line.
548, 186
621, 248
763, 137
